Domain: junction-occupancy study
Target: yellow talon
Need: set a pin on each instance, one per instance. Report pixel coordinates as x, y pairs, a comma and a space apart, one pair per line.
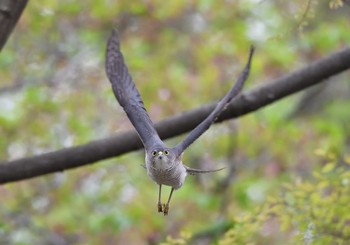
165, 209
160, 207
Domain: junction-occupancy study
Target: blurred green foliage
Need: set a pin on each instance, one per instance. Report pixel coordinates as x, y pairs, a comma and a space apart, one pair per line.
182, 54
313, 211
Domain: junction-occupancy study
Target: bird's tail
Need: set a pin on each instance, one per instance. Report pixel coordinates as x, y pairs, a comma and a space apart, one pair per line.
193, 171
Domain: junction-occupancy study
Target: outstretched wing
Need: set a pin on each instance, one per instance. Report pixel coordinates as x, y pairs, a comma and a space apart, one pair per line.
203, 126
127, 94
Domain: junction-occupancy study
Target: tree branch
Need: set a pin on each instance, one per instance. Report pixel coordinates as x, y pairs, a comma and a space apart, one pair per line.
10, 11
128, 141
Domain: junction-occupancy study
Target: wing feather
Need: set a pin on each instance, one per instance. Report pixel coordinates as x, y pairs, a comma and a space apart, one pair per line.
127, 94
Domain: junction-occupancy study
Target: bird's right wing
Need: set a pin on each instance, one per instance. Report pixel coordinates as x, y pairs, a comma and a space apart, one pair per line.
127, 94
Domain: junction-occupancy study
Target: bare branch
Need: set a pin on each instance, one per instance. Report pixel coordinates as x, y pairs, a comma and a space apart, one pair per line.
128, 141
10, 11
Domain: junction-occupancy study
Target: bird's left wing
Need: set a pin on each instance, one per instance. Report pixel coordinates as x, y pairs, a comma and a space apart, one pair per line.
127, 94
203, 126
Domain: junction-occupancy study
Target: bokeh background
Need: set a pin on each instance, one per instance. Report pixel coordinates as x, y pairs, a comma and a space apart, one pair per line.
286, 178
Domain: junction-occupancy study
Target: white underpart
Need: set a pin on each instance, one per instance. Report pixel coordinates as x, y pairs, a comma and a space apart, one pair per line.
164, 172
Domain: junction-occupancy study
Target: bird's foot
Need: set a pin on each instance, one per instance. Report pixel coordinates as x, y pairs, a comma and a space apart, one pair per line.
165, 209
160, 207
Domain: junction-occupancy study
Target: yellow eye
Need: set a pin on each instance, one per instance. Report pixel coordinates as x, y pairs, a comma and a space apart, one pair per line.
166, 152
154, 153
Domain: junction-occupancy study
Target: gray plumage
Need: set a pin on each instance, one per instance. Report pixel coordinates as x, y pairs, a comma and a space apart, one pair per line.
163, 164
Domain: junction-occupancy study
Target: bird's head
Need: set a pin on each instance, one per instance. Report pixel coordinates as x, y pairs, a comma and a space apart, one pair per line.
162, 157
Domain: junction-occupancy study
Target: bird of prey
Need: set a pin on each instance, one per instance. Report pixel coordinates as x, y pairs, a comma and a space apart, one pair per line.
163, 164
